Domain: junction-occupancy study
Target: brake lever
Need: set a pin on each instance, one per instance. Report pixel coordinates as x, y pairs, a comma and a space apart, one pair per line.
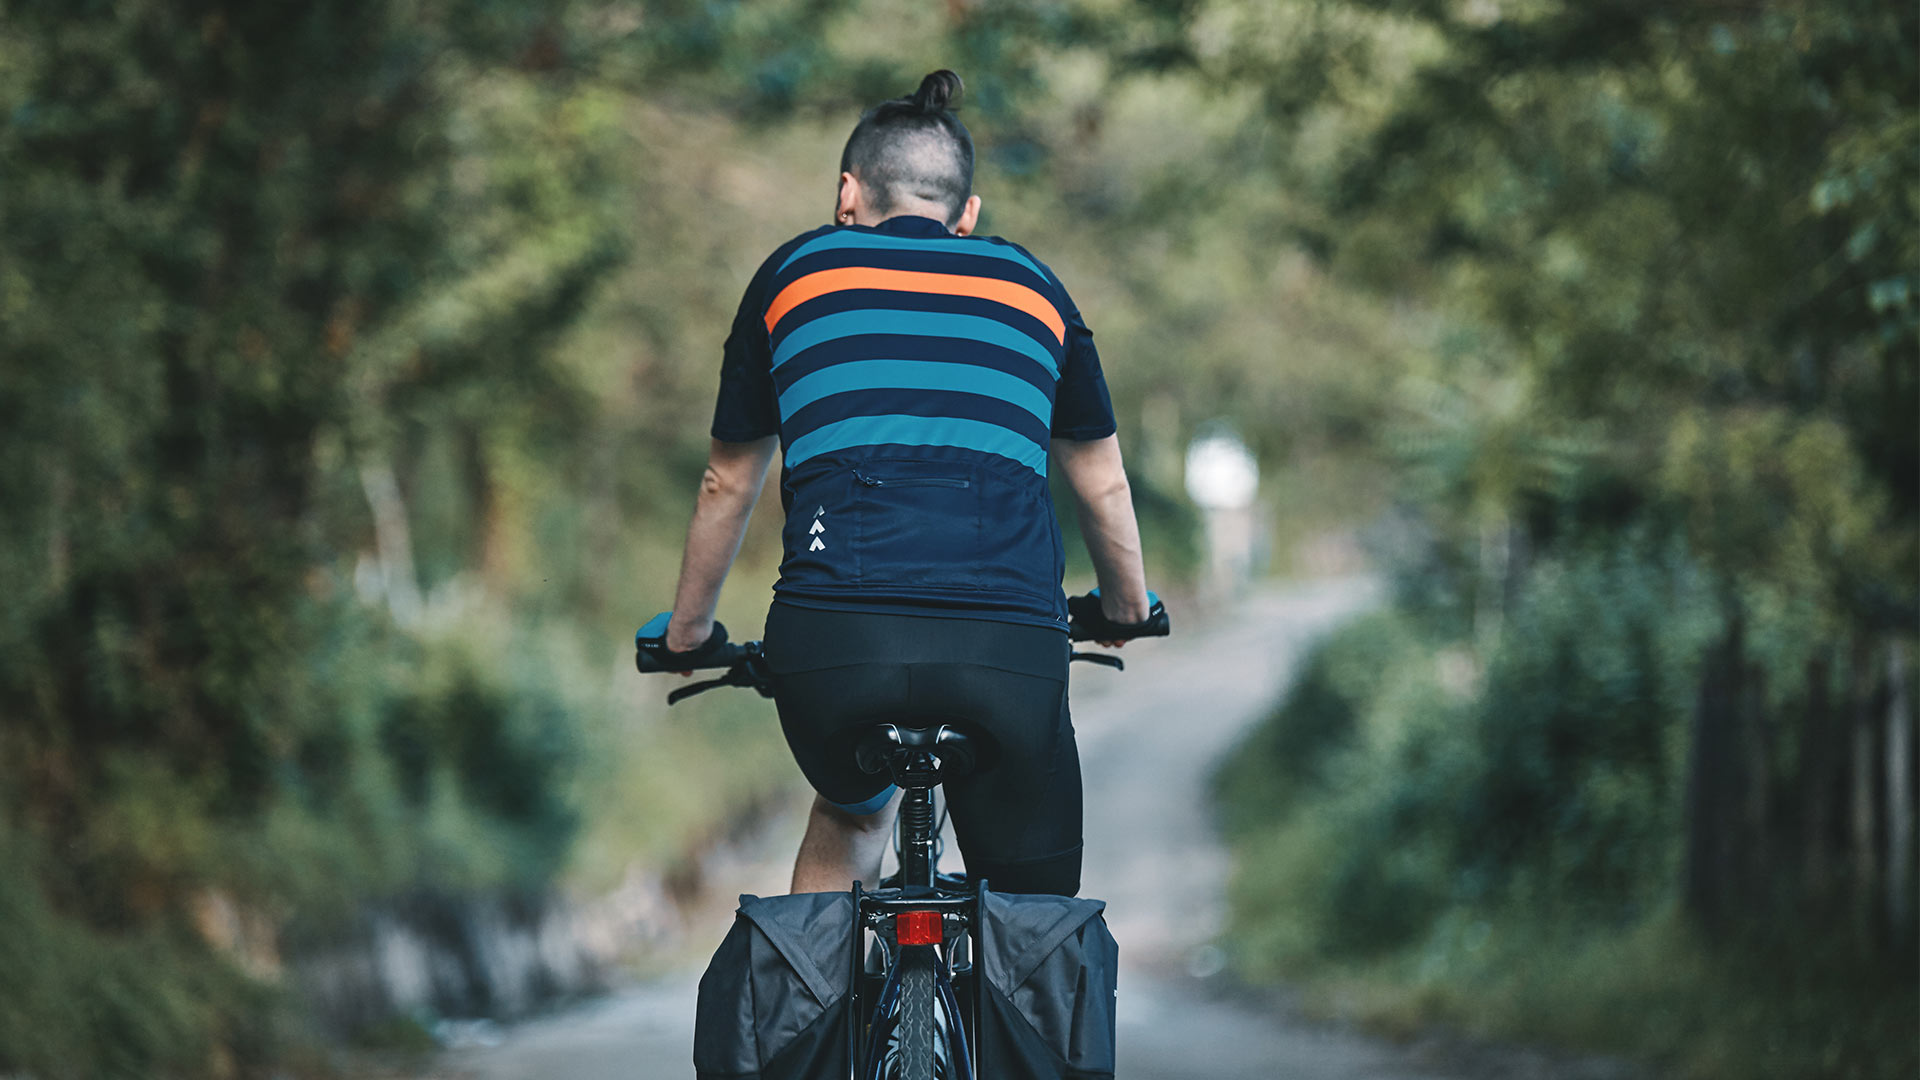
680, 694
748, 671
1103, 659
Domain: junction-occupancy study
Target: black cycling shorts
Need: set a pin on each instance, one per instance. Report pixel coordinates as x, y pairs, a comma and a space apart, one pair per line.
836, 673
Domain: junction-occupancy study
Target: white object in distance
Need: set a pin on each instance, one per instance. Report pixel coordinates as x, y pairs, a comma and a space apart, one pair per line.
1221, 472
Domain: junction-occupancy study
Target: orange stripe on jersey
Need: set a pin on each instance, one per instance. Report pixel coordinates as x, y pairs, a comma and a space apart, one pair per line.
822, 282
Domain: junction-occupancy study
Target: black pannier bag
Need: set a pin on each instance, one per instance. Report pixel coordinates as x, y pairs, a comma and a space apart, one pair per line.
773, 1002
1051, 969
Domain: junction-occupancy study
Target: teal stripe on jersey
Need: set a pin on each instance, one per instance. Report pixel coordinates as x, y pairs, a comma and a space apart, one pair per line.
952, 245
916, 324
915, 375
896, 430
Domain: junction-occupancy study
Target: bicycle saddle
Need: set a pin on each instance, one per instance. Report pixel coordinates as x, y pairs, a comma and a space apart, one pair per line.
935, 754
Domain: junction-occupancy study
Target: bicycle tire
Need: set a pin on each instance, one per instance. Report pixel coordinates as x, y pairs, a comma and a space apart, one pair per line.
916, 1022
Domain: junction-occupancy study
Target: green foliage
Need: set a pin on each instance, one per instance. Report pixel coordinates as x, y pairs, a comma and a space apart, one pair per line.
1500, 845
1771, 1009
1659, 485
1338, 838
505, 753
146, 1003
1581, 732
238, 244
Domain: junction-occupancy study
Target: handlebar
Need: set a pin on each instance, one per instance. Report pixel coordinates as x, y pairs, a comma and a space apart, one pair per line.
650, 662
745, 663
746, 666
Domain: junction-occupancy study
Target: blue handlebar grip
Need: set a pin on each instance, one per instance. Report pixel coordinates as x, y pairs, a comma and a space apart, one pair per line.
654, 633
1152, 598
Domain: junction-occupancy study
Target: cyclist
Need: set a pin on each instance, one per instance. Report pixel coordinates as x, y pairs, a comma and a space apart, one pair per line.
918, 379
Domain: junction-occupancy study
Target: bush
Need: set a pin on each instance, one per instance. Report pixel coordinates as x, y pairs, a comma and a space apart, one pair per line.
84, 1003
1429, 838
501, 747
1580, 732
1335, 841
1555, 774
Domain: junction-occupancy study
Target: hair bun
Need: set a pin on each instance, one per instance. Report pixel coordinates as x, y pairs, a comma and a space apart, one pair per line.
938, 92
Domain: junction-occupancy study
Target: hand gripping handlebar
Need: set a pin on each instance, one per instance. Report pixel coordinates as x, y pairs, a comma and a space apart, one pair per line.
1087, 622
744, 664
650, 652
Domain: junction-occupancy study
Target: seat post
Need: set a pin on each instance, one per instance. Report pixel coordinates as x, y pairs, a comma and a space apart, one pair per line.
916, 847
917, 775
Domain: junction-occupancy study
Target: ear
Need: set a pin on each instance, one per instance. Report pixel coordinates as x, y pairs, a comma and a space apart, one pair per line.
846, 208
969, 217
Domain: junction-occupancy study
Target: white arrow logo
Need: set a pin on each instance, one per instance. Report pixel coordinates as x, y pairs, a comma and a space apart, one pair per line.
817, 527
818, 511
816, 545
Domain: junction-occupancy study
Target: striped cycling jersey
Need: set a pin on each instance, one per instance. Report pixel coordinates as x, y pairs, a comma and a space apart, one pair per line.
915, 379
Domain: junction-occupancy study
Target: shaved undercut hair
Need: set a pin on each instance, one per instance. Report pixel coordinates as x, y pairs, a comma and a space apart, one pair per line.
914, 147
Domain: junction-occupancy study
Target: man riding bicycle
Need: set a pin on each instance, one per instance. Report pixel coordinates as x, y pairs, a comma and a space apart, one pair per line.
918, 380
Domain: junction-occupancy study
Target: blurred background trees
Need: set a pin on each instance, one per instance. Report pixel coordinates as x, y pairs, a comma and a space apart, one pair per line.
1657, 598
355, 363
264, 271
1676, 253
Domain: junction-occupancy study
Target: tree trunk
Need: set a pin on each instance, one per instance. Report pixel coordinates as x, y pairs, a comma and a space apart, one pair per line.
1490, 592
1861, 783
394, 542
1713, 784
1899, 803
1818, 758
1519, 563
1756, 791
59, 524
489, 514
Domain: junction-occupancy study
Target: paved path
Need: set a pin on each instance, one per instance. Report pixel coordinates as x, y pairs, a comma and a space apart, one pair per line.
1149, 738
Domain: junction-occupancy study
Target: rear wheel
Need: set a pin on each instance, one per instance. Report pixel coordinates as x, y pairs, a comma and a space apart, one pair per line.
915, 1031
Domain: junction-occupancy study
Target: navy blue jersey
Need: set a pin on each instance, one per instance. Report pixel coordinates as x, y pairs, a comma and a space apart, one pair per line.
915, 379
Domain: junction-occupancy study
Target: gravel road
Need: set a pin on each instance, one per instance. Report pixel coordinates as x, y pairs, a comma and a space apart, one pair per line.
1149, 738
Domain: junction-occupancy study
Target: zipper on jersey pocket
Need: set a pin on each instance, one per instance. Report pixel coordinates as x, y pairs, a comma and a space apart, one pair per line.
912, 481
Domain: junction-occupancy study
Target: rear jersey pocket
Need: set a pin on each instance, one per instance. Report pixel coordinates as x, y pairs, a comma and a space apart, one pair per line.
916, 524
954, 533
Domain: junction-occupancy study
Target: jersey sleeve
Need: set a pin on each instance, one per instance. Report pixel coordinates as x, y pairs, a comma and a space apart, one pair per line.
1082, 409
747, 408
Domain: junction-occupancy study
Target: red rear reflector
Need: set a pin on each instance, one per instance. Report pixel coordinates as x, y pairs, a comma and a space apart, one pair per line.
917, 927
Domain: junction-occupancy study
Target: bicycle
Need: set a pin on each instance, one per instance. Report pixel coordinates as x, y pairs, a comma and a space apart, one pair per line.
914, 1011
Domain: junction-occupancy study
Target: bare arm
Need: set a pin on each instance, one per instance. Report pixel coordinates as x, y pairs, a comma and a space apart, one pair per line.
1104, 502
728, 490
